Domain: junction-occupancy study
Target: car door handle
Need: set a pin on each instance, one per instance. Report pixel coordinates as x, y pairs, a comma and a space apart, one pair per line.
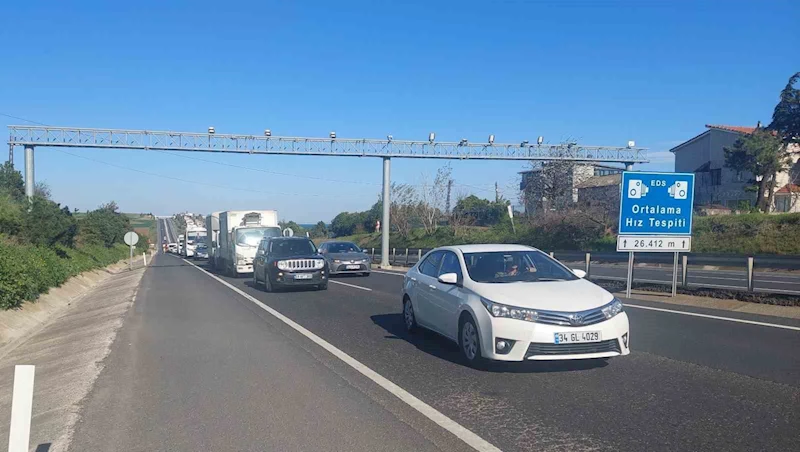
414, 279
432, 287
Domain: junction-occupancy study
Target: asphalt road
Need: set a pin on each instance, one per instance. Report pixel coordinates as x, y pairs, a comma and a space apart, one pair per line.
197, 367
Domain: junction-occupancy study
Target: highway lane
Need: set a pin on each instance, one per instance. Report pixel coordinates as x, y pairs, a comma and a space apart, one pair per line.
690, 384
196, 367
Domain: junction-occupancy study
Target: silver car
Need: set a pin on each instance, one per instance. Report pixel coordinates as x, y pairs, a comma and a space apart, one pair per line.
345, 257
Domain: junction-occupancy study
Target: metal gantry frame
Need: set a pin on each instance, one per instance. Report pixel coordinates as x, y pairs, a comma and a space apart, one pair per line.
77, 137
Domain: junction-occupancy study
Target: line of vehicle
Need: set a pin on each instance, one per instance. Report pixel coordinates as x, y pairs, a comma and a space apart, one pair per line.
694, 314
461, 432
350, 285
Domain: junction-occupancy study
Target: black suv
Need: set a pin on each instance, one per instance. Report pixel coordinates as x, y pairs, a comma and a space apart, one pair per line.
289, 261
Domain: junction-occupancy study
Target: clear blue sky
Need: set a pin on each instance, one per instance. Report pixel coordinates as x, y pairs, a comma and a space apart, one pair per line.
601, 72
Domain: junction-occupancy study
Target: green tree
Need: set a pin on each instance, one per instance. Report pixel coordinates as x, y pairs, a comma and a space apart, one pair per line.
344, 224
296, 228
482, 212
763, 155
320, 230
46, 223
105, 225
10, 214
11, 182
786, 117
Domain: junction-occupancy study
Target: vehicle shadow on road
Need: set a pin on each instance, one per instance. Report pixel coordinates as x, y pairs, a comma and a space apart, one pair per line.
249, 283
44, 447
442, 348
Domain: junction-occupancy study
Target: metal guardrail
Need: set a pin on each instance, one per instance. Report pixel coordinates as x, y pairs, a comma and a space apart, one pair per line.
749, 278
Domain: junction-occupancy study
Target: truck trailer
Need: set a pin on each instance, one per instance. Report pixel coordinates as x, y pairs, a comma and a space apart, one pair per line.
240, 232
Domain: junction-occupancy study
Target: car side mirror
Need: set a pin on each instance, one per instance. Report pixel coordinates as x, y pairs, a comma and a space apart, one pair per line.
448, 278
579, 273
260, 253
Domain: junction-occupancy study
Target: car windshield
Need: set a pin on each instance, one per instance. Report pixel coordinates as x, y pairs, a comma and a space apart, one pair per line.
343, 247
515, 266
285, 248
253, 236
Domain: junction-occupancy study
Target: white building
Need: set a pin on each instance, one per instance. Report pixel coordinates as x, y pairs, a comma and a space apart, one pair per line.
704, 155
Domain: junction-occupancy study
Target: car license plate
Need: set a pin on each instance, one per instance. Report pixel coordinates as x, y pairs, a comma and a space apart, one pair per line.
303, 276
577, 337
352, 267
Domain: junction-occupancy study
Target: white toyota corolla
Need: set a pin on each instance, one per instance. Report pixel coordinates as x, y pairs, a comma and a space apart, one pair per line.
513, 303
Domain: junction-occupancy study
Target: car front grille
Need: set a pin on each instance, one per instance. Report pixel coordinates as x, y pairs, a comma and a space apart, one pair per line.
300, 264
582, 318
542, 349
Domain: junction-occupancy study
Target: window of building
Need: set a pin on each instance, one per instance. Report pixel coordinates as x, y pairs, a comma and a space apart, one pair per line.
782, 203
716, 177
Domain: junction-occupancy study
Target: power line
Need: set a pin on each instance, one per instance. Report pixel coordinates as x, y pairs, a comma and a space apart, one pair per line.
23, 119
266, 171
186, 180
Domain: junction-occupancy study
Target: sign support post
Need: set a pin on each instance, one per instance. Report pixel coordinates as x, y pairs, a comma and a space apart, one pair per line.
675, 275
131, 239
630, 275
655, 216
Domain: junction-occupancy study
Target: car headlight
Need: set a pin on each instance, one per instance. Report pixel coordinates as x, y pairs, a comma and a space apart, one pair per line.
613, 308
511, 312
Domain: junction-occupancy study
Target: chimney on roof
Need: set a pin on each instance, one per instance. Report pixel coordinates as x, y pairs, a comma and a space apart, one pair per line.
758, 125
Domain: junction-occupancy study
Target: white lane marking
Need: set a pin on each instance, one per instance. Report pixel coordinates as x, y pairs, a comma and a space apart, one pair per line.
731, 319
473, 440
19, 433
388, 272
707, 316
350, 285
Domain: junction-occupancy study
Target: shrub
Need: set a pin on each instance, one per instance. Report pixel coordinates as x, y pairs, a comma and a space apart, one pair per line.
27, 270
46, 223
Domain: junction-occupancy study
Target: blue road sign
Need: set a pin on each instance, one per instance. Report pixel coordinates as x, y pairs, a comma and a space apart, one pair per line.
656, 203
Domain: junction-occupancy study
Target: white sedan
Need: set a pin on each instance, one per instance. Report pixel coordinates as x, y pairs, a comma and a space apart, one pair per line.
513, 303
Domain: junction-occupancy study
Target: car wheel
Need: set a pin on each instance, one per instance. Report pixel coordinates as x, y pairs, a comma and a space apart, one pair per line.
322, 286
367, 273
255, 280
267, 284
409, 318
470, 343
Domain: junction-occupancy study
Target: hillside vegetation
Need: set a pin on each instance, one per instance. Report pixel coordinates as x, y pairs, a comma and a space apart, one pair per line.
42, 244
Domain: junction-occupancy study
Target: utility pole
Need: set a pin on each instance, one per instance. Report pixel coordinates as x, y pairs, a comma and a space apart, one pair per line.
496, 193
11, 154
449, 189
386, 201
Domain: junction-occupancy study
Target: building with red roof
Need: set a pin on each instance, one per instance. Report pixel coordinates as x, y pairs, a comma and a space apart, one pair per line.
715, 184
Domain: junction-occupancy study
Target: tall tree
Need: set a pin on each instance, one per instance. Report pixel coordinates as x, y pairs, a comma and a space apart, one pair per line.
11, 181
762, 154
786, 117
433, 199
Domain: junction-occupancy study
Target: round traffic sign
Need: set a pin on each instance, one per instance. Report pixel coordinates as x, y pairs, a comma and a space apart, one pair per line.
131, 238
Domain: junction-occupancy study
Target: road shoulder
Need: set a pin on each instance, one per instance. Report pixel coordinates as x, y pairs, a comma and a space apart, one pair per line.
68, 354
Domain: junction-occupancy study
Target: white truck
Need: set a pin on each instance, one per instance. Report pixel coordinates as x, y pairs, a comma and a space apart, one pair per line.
240, 232
212, 231
194, 234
